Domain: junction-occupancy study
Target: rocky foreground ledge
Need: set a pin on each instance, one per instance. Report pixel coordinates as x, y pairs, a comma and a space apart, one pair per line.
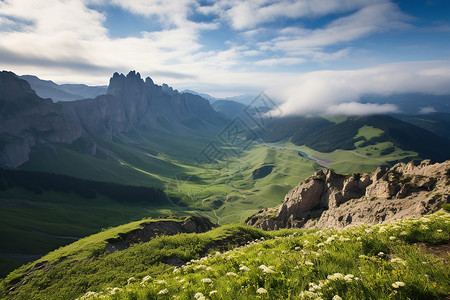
330, 200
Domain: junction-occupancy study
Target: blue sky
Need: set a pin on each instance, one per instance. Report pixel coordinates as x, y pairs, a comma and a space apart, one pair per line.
230, 47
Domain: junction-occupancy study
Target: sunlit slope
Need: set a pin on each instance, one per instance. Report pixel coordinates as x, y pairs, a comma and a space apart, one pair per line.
225, 190
405, 259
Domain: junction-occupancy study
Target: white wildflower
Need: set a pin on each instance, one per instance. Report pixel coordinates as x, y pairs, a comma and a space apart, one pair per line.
231, 274
160, 282
163, 292
145, 279
392, 238
131, 280
398, 261
439, 230
206, 280
244, 268
308, 263
380, 254
349, 277
261, 291
212, 292
398, 284
336, 297
266, 269
403, 233
308, 294
336, 276
199, 296
209, 269
200, 267
320, 244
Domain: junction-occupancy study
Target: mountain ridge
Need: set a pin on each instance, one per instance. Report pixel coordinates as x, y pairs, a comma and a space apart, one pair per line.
130, 102
62, 92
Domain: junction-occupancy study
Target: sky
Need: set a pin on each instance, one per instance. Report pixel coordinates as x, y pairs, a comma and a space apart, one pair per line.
310, 56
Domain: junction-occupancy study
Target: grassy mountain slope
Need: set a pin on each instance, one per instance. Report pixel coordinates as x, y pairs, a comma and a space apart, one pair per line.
35, 223
41, 212
226, 191
87, 264
438, 123
323, 135
379, 262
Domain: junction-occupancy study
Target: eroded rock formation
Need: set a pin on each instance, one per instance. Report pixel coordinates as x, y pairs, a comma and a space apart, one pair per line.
327, 199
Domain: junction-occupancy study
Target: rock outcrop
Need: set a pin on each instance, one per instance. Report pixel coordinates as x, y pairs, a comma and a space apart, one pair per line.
164, 227
330, 200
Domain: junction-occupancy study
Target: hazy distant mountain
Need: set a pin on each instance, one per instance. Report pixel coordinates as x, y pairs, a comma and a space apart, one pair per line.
63, 92
438, 123
228, 108
412, 103
203, 95
27, 120
85, 90
245, 99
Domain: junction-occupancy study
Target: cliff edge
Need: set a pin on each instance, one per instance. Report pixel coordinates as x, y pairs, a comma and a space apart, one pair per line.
330, 200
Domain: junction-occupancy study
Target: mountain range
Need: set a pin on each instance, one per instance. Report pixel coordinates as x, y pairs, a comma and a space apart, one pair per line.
63, 92
129, 102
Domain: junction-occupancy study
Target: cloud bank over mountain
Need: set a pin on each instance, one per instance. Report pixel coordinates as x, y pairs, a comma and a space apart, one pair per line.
230, 47
338, 92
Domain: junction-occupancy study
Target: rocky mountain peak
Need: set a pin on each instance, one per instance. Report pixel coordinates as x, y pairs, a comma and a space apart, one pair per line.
13, 88
126, 87
149, 81
327, 199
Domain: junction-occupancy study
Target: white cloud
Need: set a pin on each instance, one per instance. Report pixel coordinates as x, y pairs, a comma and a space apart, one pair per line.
373, 18
327, 91
50, 16
249, 14
427, 110
169, 12
280, 61
360, 109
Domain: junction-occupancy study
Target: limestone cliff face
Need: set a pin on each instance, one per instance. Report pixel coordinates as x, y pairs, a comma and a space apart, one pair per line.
27, 120
327, 199
132, 102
